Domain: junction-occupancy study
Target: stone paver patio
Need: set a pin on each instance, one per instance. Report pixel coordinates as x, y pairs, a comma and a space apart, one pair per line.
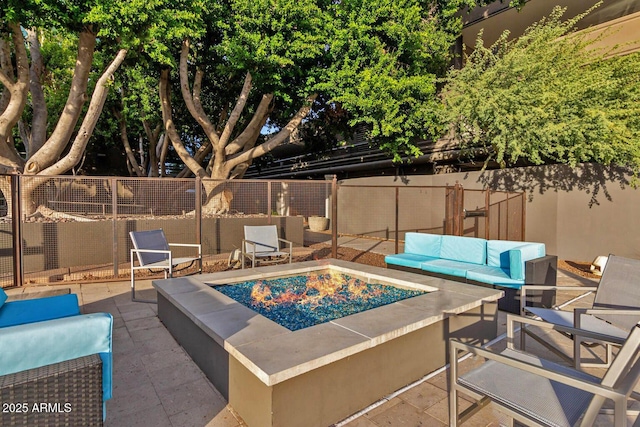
157, 384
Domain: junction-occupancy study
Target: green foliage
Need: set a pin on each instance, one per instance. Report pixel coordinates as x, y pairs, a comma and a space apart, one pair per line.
549, 96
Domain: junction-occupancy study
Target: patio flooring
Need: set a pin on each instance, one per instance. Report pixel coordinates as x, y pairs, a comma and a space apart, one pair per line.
156, 383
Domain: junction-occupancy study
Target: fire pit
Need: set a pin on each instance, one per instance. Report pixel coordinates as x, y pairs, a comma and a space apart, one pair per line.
321, 373
298, 302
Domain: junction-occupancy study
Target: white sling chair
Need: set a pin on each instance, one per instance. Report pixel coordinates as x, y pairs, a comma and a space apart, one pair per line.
262, 244
153, 252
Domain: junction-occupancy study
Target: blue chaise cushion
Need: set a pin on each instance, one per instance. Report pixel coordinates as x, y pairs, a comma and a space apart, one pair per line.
38, 309
3, 297
418, 248
407, 260
493, 276
447, 267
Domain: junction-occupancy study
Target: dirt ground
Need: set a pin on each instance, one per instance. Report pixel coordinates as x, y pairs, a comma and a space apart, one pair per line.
581, 268
319, 251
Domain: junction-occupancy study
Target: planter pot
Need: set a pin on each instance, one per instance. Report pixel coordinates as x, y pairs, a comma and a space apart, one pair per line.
318, 223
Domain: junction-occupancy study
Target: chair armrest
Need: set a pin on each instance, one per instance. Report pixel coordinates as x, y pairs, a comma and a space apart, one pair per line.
287, 242
559, 288
512, 319
187, 245
578, 312
596, 311
525, 288
150, 251
254, 244
546, 372
541, 271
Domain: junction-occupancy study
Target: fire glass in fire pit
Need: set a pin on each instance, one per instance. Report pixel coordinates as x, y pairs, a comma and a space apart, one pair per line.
298, 302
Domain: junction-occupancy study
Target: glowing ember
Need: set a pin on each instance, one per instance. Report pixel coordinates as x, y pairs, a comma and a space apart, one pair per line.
302, 301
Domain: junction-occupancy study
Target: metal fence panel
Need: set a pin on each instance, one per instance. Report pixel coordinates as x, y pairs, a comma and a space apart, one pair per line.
77, 228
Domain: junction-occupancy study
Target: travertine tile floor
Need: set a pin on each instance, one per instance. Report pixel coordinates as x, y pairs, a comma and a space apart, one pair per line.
156, 384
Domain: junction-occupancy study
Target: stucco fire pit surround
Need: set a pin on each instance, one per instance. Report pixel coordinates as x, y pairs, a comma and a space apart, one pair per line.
319, 375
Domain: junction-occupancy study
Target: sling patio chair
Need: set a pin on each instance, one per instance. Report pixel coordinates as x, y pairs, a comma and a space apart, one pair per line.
615, 310
538, 392
262, 244
153, 252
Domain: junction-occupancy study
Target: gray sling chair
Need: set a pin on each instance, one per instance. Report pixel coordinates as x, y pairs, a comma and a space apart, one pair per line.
261, 244
153, 252
615, 310
537, 392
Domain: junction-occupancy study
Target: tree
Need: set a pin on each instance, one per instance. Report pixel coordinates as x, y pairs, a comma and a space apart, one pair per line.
549, 96
109, 28
267, 62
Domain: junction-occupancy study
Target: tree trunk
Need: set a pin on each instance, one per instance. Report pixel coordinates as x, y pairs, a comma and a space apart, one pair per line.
57, 142
90, 119
124, 137
18, 90
38, 134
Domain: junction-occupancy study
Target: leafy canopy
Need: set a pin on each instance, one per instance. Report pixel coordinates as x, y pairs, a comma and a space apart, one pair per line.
549, 96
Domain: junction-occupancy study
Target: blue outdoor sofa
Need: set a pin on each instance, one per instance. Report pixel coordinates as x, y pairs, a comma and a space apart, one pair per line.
501, 264
55, 363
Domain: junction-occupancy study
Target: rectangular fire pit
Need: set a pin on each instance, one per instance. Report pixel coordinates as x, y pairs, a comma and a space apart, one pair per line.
319, 375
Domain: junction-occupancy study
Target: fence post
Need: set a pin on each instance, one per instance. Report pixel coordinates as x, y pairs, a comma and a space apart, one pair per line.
16, 225
198, 209
487, 204
458, 215
397, 246
334, 217
114, 210
524, 215
269, 202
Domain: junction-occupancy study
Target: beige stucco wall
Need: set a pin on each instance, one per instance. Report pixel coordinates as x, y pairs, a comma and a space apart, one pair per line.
578, 213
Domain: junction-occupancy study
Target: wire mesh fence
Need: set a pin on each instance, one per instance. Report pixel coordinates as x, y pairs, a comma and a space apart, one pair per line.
388, 212
77, 228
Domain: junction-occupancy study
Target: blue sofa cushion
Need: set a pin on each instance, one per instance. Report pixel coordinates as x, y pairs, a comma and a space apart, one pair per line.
465, 249
494, 276
43, 343
520, 254
407, 260
446, 266
498, 252
3, 297
423, 244
38, 309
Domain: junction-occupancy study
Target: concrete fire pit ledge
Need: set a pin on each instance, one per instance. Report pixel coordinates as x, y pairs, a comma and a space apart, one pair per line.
320, 375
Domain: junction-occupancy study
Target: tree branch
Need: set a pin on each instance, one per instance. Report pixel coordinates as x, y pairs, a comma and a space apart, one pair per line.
18, 99
194, 107
57, 142
170, 128
38, 134
90, 119
257, 120
276, 140
124, 136
237, 110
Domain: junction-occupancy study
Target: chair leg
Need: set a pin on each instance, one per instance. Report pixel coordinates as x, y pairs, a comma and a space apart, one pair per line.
453, 407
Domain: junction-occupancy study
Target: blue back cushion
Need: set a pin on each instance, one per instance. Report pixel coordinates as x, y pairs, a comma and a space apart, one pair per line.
38, 309
498, 252
465, 249
522, 253
3, 297
422, 244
